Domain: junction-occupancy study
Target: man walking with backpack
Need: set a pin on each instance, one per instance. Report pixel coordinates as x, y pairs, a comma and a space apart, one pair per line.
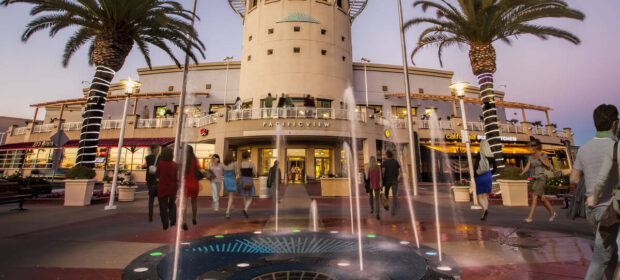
589, 161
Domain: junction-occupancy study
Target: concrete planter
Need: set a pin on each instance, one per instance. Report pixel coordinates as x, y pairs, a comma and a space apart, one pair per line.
79, 192
514, 192
127, 193
107, 187
461, 193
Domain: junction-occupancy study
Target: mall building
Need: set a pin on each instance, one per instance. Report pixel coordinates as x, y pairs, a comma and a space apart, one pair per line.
297, 48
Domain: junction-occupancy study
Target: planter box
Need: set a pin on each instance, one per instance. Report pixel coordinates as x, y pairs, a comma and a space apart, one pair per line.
335, 187
514, 192
127, 193
107, 187
461, 193
78, 192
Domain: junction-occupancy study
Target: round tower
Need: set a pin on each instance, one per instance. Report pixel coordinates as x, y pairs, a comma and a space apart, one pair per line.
296, 47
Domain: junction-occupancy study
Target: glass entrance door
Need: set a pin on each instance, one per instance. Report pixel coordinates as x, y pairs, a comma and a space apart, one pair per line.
296, 170
321, 166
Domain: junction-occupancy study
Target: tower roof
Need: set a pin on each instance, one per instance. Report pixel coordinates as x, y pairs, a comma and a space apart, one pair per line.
355, 8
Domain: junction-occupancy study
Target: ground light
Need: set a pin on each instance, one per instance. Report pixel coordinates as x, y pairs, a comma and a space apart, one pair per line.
344, 264
296, 230
155, 254
243, 264
141, 269
444, 268
219, 236
371, 235
405, 242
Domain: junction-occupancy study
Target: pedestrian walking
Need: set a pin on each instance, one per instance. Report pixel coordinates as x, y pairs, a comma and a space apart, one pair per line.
230, 180
273, 180
538, 162
599, 190
373, 176
151, 178
237, 105
281, 103
216, 182
167, 188
484, 168
391, 172
247, 172
192, 175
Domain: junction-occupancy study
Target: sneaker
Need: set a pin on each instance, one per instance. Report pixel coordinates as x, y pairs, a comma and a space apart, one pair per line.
528, 220
552, 218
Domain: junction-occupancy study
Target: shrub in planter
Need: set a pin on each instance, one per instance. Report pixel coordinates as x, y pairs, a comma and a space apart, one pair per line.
79, 186
461, 190
80, 172
511, 173
127, 191
107, 184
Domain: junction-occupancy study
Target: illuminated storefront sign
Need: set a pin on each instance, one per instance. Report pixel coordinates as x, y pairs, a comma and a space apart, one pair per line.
297, 124
457, 136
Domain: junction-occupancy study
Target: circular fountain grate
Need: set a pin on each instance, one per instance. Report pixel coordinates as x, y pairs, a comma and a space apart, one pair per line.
294, 275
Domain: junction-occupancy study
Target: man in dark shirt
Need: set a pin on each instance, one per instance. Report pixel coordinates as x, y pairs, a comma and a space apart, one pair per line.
391, 171
151, 178
274, 179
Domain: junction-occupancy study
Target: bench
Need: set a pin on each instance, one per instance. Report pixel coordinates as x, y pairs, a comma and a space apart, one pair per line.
15, 199
567, 193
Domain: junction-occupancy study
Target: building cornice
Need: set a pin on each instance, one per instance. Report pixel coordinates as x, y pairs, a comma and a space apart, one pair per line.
399, 69
192, 67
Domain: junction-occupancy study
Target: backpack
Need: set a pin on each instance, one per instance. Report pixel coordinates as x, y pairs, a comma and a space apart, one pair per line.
610, 218
614, 179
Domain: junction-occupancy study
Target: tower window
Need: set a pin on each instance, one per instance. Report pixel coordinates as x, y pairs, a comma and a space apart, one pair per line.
323, 52
323, 31
296, 28
296, 50
385, 88
338, 2
269, 51
342, 38
208, 86
249, 57
420, 90
270, 31
170, 88
344, 58
250, 38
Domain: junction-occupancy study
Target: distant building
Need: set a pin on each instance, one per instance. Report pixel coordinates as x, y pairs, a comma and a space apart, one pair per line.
294, 48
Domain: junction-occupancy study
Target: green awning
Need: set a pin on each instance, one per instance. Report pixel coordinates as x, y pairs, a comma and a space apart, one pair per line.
298, 17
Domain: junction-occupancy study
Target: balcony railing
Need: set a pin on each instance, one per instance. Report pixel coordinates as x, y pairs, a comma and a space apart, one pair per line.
68, 126
292, 113
42, 128
475, 126
156, 123
540, 131
111, 124
202, 121
561, 134
509, 128
447, 125
20, 130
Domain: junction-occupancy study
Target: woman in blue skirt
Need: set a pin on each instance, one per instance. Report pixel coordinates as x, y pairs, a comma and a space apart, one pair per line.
485, 165
230, 180
247, 171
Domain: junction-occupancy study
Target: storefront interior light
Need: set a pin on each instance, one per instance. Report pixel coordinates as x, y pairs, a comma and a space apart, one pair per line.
130, 85
459, 88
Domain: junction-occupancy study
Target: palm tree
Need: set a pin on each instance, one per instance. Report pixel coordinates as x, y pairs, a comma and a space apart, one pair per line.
478, 24
112, 27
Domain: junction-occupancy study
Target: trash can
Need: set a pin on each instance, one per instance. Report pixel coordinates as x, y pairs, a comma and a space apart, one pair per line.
262, 187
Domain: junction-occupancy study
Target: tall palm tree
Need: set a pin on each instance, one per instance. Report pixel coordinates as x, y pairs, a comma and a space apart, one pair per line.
112, 27
478, 24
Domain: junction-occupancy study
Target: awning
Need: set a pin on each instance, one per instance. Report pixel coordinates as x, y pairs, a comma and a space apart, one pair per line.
139, 142
454, 149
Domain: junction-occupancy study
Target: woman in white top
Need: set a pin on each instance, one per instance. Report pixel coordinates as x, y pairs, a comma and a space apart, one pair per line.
216, 182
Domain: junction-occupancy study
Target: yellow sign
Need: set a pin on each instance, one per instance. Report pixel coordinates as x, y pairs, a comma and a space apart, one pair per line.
457, 136
387, 133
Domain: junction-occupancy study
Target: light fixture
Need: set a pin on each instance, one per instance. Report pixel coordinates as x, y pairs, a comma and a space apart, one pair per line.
130, 86
344, 263
459, 88
405, 242
444, 268
333, 232
258, 232
140, 269
243, 264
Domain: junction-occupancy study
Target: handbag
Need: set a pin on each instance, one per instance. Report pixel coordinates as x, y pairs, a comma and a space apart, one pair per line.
610, 218
384, 200
367, 185
209, 174
246, 186
199, 175
153, 168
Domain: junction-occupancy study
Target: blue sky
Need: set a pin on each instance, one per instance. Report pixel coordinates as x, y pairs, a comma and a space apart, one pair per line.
571, 79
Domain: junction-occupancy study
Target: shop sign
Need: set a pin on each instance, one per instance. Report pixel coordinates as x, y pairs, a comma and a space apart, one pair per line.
502, 138
457, 136
315, 124
44, 143
204, 132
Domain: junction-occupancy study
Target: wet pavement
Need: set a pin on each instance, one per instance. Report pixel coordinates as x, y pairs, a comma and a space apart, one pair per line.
54, 242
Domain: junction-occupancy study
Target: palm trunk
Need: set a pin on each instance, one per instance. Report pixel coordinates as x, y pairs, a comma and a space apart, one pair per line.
92, 116
482, 57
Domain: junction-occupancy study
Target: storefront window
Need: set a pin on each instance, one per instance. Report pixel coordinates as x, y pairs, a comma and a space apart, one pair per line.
192, 111
215, 107
429, 111
321, 163
268, 157
11, 158
324, 103
377, 108
400, 112
68, 157
159, 112
38, 158
204, 152
131, 158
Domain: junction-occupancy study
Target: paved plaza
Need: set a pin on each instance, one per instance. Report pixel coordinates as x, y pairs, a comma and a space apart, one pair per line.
50, 241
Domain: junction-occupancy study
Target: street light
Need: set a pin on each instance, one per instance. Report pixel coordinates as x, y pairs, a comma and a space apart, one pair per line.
227, 59
130, 87
459, 89
366, 61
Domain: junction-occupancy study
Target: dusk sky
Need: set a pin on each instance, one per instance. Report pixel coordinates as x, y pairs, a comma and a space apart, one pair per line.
571, 79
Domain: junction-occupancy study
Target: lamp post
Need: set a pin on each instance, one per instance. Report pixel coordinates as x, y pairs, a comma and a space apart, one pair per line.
227, 59
459, 89
366, 61
414, 169
130, 87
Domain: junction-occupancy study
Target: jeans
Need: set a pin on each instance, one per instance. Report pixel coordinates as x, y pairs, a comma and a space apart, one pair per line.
394, 186
167, 211
215, 192
152, 195
605, 251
